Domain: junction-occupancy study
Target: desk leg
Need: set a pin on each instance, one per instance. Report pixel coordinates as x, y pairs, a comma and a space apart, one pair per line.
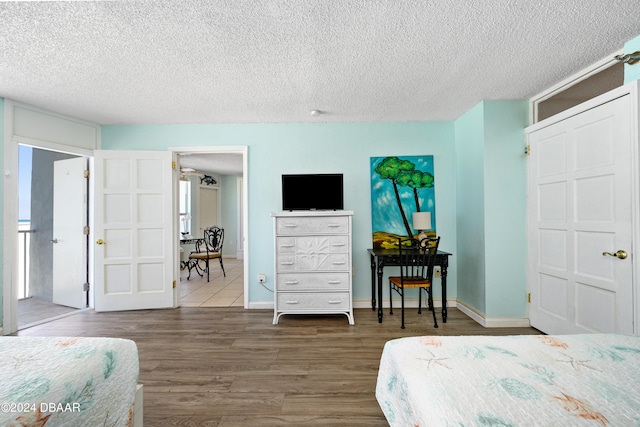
380, 270
373, 282
443, 281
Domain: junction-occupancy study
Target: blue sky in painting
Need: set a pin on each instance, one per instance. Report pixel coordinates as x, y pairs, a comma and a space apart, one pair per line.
384, 208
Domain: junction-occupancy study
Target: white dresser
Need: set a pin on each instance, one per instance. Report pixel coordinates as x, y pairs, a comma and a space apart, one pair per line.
312, 263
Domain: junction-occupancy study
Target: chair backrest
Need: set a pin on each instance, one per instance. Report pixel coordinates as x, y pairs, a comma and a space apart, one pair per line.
417, 258
214, 238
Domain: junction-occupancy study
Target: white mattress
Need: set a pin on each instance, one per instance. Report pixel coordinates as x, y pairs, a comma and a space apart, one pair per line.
47, 381
538, 380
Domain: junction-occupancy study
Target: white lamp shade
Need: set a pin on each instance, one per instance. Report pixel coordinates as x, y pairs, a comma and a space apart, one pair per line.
422, 220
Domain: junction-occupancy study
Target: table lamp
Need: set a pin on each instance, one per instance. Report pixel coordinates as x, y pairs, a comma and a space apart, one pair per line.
422, 222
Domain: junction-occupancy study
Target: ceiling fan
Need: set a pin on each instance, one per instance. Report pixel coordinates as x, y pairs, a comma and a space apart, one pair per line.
204, 178
190, 171
186, 172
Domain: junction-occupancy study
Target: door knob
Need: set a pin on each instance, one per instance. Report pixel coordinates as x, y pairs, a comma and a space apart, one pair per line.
620, 254
100, 242
54, 240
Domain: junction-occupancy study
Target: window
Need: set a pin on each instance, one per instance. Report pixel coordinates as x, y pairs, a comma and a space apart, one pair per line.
185, 206
579, 90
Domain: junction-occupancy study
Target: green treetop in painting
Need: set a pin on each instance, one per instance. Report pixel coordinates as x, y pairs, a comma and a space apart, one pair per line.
403, 173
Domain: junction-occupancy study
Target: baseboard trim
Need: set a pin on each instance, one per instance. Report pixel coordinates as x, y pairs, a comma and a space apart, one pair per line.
409, 302
261, 305
512, 322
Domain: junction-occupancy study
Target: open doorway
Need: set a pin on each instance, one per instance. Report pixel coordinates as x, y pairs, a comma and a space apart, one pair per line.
52, 245
210, 195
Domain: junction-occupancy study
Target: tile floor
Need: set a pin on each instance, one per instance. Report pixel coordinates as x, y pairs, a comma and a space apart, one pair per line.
220, 291
34, 311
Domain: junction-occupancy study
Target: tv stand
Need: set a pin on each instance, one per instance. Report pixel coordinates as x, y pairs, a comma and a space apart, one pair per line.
313, 263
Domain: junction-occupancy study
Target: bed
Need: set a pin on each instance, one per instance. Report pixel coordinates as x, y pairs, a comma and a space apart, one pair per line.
55, 381
577, 380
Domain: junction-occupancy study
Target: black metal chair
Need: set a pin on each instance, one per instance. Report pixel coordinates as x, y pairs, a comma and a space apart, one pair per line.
207, 249
417, 259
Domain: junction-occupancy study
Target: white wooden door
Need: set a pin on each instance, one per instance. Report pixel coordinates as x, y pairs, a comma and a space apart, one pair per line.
69, 240
580, 206
134, 230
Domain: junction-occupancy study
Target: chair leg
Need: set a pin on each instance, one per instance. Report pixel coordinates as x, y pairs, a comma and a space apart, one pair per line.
191, 264
402, 302
433, 309
390, 299
419, 301
222, 266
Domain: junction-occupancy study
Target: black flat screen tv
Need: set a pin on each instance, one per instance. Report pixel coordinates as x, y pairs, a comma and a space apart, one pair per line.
312, 192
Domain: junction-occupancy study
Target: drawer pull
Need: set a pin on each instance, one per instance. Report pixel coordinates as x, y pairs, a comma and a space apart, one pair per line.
334, 282
291, 282
338, 263
292, 302
334, 301
286, 263
334, 225
291, 225
286, 246
339, 244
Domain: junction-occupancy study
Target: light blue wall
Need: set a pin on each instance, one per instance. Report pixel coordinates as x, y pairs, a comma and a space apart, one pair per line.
275, 149
1, 206
632, 72
470, 252
505, 203
491, 203
229, 213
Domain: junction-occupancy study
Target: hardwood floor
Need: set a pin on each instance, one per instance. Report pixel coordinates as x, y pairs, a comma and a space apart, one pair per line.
232, 367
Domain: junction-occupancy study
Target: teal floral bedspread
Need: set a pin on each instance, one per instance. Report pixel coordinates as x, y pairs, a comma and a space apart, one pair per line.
54, 381
535, 380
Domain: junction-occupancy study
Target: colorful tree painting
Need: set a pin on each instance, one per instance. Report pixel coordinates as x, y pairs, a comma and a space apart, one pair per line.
399, 187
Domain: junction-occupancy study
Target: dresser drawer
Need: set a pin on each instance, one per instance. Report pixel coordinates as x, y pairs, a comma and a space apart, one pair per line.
312, 281
312, 262
312, 225
326, 301
313, 245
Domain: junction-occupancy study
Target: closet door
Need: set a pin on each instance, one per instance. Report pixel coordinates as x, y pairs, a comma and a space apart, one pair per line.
580, 222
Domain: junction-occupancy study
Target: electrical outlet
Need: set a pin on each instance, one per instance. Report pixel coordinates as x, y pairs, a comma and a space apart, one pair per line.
262, 278
437, 272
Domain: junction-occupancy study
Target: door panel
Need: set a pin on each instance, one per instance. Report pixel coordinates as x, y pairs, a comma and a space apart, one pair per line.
134, 230
579, 207
69, 241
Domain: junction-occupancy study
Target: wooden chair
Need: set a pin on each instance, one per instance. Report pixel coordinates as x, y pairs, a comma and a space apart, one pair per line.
207, 249
417, 260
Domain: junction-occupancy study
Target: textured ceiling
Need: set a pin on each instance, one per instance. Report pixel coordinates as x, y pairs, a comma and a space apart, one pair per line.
249, 61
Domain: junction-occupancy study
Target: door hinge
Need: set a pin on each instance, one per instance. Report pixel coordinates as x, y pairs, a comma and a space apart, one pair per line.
173, 165
527, 149
174, 284
86, 230
87, 174
85, 287
529, 297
